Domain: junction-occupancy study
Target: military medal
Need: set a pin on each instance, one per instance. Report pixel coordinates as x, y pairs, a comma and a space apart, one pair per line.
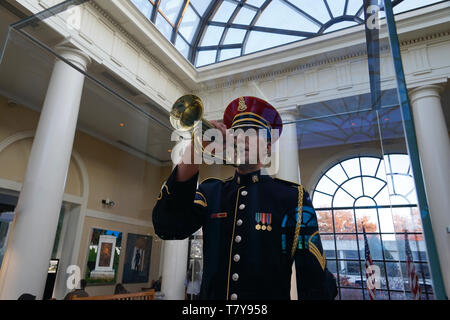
264, 219
258, 219
269, 221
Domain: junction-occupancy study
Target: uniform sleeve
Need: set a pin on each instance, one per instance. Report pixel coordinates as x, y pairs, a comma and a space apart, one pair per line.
179, 210
314, 281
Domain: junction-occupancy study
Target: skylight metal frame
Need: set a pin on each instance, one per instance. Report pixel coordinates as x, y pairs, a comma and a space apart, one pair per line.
207, 19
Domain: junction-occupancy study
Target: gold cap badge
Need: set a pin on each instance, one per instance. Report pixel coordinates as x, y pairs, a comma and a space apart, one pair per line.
242, 106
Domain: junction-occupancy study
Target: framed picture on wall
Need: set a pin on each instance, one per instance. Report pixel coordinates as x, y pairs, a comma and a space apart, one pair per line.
103, 256
137, 259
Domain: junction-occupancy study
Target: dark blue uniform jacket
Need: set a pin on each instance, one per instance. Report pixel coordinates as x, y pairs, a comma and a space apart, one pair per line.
249, 236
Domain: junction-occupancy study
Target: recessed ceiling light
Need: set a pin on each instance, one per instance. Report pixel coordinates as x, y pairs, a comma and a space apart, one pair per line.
122, 124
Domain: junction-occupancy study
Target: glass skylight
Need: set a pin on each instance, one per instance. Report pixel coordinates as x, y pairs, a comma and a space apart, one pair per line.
210, 31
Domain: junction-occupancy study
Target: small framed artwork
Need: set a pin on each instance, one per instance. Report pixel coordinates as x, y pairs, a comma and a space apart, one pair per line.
137, 259
103, 256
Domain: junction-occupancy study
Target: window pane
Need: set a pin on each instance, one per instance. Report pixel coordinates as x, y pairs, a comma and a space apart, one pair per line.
321, 200
328, 246
171, 9
337, 174
349, 274
369, 165
144, 6
280, 16
382, 198
351, 294
316, 9
364, 202
331, 266
353, 6
374, 246
372, 186
256, 3
212, 36
325, 221
245, 16
391, 247
423, 272
344, 221
368, 219
403, 184
407, 219
225, 11
206, 57
379, 295
163, 26
408, 5
397, 296
189, 24
200, 5
345, 243
262, 40
398, 199
354, 187
381, 173
399, 163
342, 199
386, 220
325, 185
229, 53
234, 36
351, 167
182, 46
382, 274
337, 7
395, 277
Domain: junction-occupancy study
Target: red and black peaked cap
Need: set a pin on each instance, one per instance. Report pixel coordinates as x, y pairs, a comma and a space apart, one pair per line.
252, 112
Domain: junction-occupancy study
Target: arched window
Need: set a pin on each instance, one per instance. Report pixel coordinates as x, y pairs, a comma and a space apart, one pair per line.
378, 193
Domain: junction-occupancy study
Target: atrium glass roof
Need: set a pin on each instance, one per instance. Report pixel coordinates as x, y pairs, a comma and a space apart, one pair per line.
210, 31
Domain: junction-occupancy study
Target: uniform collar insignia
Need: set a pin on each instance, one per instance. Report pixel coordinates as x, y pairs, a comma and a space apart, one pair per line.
249, 178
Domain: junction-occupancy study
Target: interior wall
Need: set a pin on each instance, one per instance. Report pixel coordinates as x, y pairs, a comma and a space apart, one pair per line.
14, 159
90, 223
132, 183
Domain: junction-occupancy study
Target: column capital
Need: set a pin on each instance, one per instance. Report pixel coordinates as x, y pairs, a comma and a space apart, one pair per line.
288, 114
75, 56
426, 91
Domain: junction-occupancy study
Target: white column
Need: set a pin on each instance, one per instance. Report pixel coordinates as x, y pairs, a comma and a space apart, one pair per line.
174, 269
434, 151
288, 161
289, 167
26, 262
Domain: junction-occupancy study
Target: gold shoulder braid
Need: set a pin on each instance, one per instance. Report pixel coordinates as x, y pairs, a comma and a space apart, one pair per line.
299, 219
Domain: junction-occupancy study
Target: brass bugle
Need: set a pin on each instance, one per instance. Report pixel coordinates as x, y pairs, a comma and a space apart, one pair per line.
187, 114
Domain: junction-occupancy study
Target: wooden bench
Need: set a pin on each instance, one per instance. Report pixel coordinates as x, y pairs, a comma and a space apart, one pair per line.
146, 295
